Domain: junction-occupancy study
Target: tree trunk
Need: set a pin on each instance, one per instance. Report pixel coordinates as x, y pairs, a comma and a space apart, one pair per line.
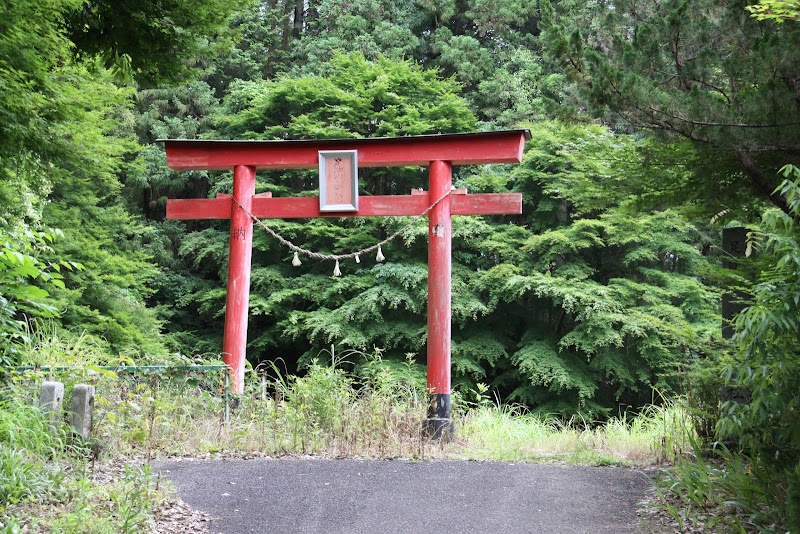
273, 37
299, 17
763, 185
288, 7
311, 13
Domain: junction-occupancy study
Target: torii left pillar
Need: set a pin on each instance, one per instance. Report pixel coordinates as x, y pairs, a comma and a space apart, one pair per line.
437, 152
234, 343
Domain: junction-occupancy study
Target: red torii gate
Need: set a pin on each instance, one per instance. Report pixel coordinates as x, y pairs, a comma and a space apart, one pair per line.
438, 152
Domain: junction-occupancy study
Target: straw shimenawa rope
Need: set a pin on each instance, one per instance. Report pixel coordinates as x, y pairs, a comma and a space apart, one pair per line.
337, 257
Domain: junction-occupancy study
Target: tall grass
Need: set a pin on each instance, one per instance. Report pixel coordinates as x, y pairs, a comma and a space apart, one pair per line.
27, 441
720, 490
368, 408
44, 484
348, 406
509, 433
326, 412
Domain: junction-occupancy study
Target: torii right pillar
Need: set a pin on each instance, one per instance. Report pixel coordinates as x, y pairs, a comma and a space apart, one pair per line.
440, 238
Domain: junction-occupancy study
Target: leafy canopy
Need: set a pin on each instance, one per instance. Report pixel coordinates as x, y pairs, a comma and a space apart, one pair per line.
354, 98
702, 70
151, 40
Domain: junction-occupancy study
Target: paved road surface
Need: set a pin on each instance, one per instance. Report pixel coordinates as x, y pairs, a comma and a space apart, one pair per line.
363, 496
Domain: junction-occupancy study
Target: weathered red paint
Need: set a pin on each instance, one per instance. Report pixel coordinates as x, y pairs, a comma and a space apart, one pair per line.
375, 206
439, 280
439, 152
234, 342
458, 149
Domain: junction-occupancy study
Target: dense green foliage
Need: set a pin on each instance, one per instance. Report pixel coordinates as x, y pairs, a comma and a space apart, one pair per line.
702, 70
768, 365
357, 98
767, 334
592, 298
151, 40
66, 147
598, 291
22, 275
571, 319
777, 10
649, 121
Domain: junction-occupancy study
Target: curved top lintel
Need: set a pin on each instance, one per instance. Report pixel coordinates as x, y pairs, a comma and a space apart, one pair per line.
477, 148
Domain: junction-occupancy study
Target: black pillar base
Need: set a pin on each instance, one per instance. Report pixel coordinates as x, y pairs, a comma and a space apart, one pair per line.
439, 424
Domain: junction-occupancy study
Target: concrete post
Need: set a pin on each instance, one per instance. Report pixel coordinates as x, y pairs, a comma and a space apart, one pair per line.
80, 417
734, 244
51, 398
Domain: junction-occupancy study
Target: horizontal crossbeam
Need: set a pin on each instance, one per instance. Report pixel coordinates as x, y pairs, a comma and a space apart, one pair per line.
374, 206
459, 149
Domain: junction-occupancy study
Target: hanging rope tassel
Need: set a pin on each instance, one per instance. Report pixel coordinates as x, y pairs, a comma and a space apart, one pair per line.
315, 255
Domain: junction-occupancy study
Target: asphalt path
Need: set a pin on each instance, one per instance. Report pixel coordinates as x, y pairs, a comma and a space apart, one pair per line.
354, 496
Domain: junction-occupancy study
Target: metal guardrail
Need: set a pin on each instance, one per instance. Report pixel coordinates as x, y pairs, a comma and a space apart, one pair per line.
145, 369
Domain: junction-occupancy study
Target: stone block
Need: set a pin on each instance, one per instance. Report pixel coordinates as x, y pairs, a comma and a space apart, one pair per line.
51, 398
80, 417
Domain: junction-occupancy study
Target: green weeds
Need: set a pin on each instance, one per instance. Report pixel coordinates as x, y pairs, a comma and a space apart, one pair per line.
45, 485
358, 406
508, 433
27, 441
720, 490
351, 406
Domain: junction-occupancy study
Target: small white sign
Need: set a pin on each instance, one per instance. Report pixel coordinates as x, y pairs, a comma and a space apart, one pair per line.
338, 180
